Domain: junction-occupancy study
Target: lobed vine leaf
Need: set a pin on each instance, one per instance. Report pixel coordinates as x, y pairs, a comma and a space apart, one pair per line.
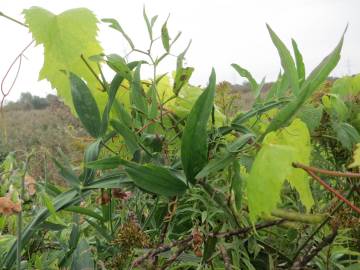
273, 164
65, 38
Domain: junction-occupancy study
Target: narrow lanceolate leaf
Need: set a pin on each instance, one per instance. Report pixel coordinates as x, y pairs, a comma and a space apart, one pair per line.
155, 179
194, 145
118, 64
85, 105
114, 86
65, 38
148, 24
242, 118
82, 258
91, 154
287, 61
105, 164
112, 180
225, 159
129, 136
68, 174
182, 77
237, 185
267, 175
153, 107
137, 92
299, 62
246, 74
115, 25
165, 37
316, 77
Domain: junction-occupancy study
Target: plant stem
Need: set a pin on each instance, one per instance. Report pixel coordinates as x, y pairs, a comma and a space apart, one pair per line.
93, 73
326, 172
19, 220
12, 19
334, 191
325, 221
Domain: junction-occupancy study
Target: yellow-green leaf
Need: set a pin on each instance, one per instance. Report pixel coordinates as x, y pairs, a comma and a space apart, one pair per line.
65, 38
273, 165
356, 157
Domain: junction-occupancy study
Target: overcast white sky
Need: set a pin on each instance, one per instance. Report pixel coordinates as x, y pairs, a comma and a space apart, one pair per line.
223, 32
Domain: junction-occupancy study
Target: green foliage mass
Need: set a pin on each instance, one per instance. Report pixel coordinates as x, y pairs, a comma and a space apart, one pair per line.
176, 177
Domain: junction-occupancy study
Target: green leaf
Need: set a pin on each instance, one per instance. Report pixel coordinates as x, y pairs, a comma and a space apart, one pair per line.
155, 179
129, 136
82, 258
299, 62
322, 71
182, 77
225, 159
148, 24
346, 134
311, 116
113, 180
237, 185
153, 110
105, 164
356, 157
316, 77
266, 178
246, 74
74, 236
68, 174
298, 136
258, 110
91, 154
267, 175
335, 106
347, 85
153, 20
115, 25
287, 61
84, 211
101, 229
137, 92
114, 86
279, 88
85, 106
194, 144
65, 38
218, 163
165, 37
118, 64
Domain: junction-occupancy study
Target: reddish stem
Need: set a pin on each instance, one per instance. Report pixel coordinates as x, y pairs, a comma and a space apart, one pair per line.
326, 172
332, 190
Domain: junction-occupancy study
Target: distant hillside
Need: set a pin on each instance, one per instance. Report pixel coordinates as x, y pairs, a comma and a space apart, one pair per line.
45, 125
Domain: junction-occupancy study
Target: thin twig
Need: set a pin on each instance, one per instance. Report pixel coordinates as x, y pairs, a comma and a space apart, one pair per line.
326, 172
247, 229
323, 223
93, 72
173, 258
303, 261
12, 19
4, 92
166, 247
227, 263
332, 190
161, 249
